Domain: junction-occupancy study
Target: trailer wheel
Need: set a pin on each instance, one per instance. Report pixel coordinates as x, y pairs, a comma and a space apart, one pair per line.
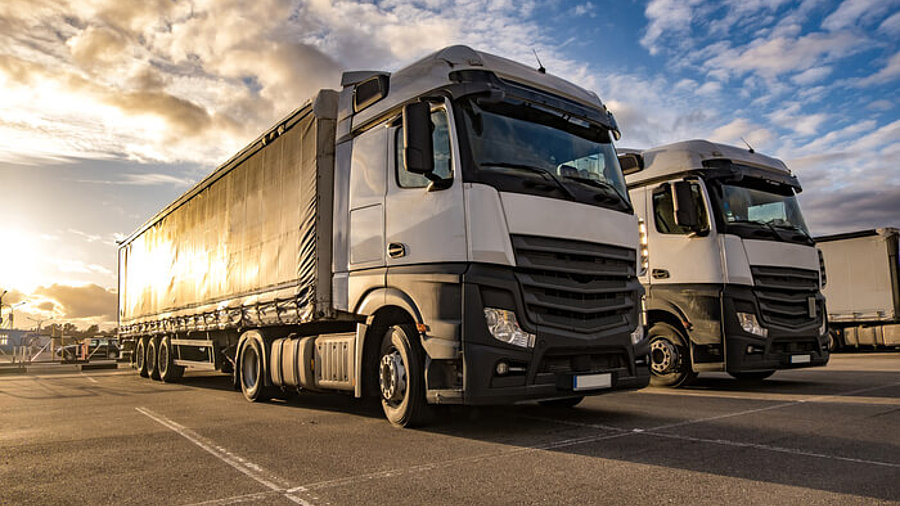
568, 402
251, 372
140, 357
152, 352
168, 371
670, 360
401, 377
751, 376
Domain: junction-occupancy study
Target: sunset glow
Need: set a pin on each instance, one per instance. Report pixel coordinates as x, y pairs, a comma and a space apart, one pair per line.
110, 110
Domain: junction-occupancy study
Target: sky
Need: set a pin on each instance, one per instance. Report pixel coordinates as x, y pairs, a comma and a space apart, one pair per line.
110, 109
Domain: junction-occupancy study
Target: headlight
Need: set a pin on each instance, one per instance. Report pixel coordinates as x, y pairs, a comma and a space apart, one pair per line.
504, 327
637, 335
824, 328
645, 250
751, 325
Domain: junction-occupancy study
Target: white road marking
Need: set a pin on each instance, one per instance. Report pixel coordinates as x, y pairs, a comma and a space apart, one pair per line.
90, 378
778, 449
246, 467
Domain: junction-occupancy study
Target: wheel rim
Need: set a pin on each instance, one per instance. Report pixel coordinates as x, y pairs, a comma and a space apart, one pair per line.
392, 377
249, 368
664, 356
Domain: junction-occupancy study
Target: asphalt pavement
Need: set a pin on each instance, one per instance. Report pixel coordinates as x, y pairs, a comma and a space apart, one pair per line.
817, 436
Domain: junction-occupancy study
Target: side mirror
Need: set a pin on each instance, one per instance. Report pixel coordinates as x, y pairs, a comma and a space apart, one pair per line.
418, 149
631, 163
685, 208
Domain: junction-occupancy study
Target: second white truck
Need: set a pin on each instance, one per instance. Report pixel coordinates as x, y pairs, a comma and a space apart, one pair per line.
734, 278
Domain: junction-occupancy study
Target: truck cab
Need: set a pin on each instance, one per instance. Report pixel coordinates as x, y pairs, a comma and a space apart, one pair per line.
733, 278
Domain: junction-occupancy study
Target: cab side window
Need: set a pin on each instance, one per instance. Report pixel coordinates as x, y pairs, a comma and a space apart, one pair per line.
664, 209
440, 136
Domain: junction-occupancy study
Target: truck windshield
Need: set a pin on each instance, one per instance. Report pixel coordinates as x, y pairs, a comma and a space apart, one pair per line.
524, 148
765, 209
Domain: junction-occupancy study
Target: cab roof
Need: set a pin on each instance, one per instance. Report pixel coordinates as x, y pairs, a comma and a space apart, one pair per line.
690, 155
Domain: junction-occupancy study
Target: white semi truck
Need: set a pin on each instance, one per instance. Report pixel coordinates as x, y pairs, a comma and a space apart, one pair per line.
734, 279
863, 289
458, 231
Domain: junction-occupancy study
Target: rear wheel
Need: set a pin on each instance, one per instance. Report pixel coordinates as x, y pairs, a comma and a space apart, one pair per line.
140, 357
568, 402
152, 352
751, 376
670, 359
401, 377
168, 371
251, 372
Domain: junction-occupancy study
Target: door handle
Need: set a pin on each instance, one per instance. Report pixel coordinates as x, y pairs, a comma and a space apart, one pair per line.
396, 250
660, 274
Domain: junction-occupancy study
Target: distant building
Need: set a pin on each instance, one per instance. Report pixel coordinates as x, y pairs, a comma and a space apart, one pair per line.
11, 338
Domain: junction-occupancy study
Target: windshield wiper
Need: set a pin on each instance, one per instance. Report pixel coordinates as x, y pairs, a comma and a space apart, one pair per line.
768, 227
536, 170
597, 183
794, 228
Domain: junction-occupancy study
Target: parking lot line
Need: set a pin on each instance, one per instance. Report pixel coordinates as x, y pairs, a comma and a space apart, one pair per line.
777, 449
254, 471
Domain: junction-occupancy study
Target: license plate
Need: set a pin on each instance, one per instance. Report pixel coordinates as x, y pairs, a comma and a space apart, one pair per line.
800, 359
592, 381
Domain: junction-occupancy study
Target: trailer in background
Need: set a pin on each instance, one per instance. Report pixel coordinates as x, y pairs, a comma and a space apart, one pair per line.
863, 290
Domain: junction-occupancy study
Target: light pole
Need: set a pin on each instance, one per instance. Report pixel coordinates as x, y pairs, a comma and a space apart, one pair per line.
12, 314
1, 306
39, 321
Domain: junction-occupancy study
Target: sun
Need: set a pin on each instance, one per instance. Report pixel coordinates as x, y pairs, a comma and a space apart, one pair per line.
20, 259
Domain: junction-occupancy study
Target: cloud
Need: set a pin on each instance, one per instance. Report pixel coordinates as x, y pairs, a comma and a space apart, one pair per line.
672, 16
742, 129
888, 73
812, 75
78, 302
857, 12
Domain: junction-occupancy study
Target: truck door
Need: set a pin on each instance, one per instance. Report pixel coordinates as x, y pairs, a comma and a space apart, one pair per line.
686, 269
424, 225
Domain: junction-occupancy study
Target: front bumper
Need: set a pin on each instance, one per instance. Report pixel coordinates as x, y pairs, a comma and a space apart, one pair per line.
548, 370
782, 348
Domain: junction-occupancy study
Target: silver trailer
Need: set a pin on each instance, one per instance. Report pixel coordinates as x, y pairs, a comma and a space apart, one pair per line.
863, 289
733, 280
456, 232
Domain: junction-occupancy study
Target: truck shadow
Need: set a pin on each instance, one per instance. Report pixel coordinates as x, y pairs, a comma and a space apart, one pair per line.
764, 434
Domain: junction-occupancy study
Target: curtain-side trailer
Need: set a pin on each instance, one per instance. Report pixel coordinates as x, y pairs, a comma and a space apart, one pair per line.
863, 289
455, 232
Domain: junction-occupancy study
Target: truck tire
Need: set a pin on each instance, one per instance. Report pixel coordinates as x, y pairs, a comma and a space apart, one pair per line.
140, 357
251, 372
168, 371
670, 359
401, 377
152, 366
751, 376
568, 402
835, 341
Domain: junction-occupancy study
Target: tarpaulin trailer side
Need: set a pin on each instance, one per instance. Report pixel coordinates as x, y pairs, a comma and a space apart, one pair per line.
250, 245
863, 290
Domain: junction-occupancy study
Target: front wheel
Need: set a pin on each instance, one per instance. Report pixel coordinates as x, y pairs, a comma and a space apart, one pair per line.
670, 359
751, 376
401, 377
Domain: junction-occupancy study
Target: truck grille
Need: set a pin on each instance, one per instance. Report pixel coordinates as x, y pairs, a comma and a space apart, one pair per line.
783, 294
576, 285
